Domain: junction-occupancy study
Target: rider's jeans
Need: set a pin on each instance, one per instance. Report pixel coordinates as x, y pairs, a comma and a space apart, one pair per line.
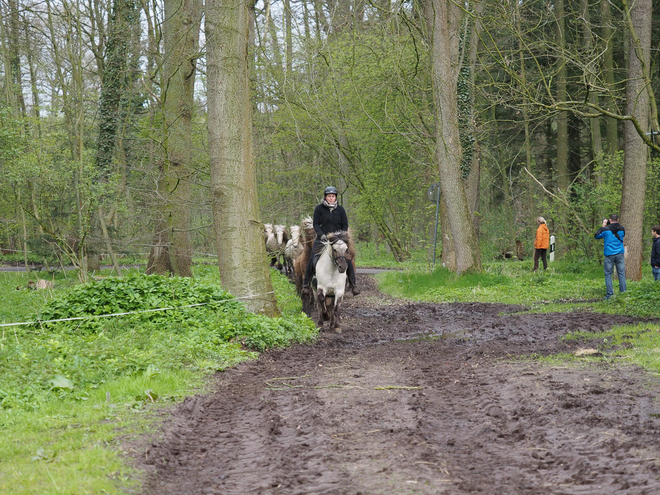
608, 267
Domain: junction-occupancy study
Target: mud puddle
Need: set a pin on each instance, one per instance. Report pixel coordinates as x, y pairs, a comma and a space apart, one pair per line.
385, 407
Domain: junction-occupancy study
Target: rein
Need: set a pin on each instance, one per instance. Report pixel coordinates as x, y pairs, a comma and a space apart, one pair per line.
334, 257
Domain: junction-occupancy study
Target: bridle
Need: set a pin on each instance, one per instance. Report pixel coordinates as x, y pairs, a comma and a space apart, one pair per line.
336, 258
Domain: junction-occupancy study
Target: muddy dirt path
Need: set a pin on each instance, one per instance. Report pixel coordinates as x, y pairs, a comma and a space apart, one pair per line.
419, 399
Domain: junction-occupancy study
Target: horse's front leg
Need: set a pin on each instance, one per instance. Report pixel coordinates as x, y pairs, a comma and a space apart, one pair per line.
308, 304
334, 320
320, 302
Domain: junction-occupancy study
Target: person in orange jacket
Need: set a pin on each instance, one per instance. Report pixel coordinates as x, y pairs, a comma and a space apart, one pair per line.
541, 244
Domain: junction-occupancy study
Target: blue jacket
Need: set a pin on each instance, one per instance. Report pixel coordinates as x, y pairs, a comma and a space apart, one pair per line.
612, 244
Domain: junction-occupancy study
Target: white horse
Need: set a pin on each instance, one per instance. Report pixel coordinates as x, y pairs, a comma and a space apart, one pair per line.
293, 249
271, 243
282, 237
331, 279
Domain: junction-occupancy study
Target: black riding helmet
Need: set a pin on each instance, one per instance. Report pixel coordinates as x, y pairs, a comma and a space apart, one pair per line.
330, 190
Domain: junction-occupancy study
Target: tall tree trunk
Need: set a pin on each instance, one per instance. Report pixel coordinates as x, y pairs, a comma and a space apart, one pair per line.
159, 254
181, 41
531, 184
444, 21
474, 178
594, 123
33, 77
113, 82
288, 34
113, 85
611, 129
271, 29
159, 257
562, 119
236, 216
635, 160
321, 22
448, 257
14, 81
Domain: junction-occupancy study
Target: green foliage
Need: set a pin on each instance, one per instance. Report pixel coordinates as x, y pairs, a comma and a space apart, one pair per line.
211, 333
137, 293
641, 299
10, 135
327, 129
67, 386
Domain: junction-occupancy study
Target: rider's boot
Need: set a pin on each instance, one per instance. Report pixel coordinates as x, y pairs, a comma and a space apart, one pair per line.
352, 281
309, 274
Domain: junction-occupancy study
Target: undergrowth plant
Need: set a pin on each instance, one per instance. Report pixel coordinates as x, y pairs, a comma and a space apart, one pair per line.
99, 372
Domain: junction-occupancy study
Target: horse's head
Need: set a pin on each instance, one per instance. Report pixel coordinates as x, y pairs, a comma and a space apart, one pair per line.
339, 252
280, 232
295, 234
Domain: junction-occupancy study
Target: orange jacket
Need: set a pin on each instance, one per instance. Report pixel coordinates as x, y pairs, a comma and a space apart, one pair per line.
542, 237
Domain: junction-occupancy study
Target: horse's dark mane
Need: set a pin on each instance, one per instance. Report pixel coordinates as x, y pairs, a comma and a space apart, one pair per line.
340, 235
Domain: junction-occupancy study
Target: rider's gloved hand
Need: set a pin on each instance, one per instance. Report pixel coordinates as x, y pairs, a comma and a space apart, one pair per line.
324, 238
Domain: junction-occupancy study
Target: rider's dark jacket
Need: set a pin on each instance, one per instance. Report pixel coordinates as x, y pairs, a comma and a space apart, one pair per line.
326, 221
655, 252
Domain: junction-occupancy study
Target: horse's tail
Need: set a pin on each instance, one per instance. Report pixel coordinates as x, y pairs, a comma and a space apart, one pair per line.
351, 245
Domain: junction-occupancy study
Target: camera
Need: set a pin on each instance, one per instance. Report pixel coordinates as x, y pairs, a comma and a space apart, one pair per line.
608, 221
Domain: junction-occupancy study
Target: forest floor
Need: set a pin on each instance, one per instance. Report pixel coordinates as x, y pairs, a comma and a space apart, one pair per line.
419, 399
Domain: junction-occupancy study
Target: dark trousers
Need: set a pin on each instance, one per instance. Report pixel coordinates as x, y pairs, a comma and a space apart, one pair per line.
310, 266
540, 253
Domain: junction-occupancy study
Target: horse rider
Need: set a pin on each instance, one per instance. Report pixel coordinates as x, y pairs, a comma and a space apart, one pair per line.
329, 216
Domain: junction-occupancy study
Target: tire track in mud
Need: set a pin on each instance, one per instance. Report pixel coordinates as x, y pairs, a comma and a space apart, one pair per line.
418, 398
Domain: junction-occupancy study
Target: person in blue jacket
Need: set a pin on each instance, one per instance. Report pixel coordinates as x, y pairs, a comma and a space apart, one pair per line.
612, 233
655, 253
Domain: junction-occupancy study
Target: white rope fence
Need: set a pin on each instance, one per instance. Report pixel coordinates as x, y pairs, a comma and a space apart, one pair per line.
131, 312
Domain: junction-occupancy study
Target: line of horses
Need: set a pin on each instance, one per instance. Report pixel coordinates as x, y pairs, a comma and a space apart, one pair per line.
290, 249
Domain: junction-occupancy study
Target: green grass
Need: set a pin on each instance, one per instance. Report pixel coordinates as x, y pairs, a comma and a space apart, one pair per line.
73, 447
565, 286
501, 282
623, 344
70, 391
370, 255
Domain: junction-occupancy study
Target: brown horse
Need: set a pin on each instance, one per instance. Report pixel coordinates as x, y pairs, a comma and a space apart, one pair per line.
308, 236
